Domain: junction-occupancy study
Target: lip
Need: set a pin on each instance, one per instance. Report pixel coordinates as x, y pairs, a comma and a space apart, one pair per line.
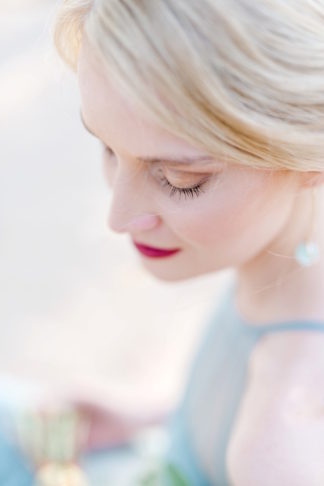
151, 252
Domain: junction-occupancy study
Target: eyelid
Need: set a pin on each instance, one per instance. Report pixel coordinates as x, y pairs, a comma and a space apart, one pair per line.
186, 172
186, 177
183, 182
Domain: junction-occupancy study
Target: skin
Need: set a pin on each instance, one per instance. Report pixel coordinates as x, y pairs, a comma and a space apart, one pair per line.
242, 216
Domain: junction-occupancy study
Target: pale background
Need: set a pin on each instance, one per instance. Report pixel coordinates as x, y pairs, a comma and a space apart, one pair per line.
76, 308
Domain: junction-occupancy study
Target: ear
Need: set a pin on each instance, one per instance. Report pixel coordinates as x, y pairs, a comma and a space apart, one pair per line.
312, 179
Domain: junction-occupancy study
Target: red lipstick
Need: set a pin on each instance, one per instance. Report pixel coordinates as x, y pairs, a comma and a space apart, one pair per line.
154, 252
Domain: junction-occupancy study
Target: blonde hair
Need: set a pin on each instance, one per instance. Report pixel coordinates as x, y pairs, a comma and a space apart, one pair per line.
241, 79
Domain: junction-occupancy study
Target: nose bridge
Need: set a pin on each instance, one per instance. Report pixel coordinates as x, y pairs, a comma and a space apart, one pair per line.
130, 208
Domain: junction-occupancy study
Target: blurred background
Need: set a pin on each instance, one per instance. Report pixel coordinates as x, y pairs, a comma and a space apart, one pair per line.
76, 308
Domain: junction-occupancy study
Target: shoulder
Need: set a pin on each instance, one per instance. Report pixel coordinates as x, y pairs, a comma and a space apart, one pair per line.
278, 435
291, 354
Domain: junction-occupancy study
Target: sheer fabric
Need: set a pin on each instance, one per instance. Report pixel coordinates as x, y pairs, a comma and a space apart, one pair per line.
201, 428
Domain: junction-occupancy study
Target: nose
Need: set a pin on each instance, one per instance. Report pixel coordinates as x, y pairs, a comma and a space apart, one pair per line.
134, 224
129, 206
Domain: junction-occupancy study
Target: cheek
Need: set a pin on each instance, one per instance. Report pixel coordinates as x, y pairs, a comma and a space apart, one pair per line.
244, 212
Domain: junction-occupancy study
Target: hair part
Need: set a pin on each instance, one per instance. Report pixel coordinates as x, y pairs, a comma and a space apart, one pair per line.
241, 80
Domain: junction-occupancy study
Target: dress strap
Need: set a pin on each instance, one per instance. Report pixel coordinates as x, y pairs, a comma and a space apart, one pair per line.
295, 325
288, 326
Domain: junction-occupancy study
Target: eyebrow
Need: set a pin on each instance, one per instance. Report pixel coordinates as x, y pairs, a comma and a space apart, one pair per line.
153, 160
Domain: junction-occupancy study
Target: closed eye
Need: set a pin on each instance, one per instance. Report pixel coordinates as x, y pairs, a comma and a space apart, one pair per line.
191, 192
187, 192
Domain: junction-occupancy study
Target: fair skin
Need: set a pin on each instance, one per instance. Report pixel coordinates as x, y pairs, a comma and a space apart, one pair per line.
241, 218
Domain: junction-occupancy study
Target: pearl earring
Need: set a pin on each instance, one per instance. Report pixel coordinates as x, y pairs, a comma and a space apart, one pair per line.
307, 252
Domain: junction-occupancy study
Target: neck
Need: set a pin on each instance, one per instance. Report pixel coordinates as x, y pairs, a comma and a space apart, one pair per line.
273, 286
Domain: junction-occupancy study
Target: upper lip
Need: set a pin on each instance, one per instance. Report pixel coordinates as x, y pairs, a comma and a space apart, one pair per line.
154, 247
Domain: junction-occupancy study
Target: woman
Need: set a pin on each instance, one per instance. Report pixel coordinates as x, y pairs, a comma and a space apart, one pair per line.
211, 115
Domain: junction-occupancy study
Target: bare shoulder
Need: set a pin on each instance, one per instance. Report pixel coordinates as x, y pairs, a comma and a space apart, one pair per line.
287, 355
278, 435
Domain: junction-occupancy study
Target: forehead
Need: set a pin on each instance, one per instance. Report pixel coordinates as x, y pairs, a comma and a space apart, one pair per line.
116, 119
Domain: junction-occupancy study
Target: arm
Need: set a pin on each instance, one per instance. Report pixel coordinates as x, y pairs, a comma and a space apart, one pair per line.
278, 437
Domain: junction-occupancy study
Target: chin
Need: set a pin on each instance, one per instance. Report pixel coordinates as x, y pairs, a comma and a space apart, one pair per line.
164, 274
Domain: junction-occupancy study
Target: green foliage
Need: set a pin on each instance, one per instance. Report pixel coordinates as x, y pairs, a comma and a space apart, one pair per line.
152, 478
166, 475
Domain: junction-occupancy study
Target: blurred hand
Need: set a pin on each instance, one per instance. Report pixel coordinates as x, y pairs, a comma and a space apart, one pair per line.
110, 428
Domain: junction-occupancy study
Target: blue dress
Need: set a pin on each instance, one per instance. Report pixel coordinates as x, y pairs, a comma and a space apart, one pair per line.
14, 470
201, 427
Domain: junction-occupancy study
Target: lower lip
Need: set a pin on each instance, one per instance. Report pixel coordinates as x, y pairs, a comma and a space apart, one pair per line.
153, 252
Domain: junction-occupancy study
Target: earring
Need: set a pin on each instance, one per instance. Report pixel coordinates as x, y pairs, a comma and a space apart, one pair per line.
307, 252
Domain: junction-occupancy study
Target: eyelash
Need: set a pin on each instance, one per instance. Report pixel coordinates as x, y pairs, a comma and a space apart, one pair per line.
192, 192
